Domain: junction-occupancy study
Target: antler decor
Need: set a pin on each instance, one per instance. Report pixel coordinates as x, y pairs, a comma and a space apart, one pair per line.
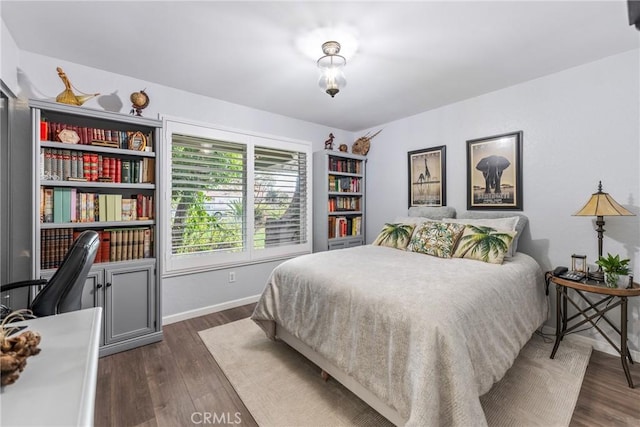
362, 144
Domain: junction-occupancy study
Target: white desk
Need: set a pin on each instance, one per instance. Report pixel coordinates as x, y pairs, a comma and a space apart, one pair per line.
58, 386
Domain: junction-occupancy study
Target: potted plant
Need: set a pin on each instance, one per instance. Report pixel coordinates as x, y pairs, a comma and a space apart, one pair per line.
613, 267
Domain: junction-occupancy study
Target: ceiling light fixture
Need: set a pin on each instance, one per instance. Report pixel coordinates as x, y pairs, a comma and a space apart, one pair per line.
331, 66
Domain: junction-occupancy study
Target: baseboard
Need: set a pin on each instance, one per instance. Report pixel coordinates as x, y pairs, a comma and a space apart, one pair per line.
107, 350
178, 317
602, 346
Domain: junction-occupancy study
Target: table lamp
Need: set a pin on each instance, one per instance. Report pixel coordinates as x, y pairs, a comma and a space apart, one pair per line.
601, 204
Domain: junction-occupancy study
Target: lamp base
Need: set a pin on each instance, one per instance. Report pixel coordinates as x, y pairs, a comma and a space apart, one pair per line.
597, 275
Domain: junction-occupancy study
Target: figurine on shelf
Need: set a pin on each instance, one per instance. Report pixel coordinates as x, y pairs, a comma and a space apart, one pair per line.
328, 144
139, 101
67, 96
343, 148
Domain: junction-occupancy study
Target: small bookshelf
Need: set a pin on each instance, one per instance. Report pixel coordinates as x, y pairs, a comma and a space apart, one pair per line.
339, 200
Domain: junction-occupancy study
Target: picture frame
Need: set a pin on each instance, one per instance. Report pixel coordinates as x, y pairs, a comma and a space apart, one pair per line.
427, 176
494, 172
137, 141
579, 263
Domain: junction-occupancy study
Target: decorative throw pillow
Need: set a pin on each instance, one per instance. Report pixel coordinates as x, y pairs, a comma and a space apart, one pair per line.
500, 223
395, 235
484, 243
436, 238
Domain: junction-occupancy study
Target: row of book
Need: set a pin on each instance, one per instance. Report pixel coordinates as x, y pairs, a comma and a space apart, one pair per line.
62, 204
343, 203
80, 166
123, 244
119, 138
345, 165
345, 184
340, 226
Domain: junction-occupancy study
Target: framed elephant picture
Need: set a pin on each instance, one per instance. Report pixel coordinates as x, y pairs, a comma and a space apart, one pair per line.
427, 177
494, 172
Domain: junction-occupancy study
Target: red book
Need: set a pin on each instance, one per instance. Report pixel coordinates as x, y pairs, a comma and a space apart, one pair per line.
94, 167
106, 168
118, 171
86, 166
53, 131
139, 206
110, 172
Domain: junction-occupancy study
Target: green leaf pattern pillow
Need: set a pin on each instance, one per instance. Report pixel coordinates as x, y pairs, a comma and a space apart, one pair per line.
395, 235
436, 238
484, 243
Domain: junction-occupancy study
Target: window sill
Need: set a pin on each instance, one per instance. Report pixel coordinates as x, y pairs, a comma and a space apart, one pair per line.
199, 270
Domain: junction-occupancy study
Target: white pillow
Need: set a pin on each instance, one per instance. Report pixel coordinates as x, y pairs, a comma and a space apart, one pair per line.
414, 220
433, 212
501, 224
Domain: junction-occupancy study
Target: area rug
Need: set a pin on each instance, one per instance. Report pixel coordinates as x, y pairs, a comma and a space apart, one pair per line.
280, 387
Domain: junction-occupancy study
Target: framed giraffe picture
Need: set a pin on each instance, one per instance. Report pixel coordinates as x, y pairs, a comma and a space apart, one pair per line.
427, 177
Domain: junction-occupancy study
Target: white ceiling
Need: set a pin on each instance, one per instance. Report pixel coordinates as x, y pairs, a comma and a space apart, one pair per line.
410, 57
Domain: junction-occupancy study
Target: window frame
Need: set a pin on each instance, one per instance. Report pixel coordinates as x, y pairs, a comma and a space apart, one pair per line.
178, 264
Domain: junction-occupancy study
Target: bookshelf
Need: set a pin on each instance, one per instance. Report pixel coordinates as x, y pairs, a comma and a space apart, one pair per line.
96, 170
338, 200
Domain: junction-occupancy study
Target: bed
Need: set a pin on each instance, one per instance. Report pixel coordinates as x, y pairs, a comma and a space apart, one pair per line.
418, 337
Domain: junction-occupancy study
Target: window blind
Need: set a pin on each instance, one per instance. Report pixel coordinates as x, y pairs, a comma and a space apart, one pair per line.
208, 195
280, 197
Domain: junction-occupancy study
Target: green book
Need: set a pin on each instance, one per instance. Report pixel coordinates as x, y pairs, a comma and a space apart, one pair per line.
66, 205
58, 201
126, 171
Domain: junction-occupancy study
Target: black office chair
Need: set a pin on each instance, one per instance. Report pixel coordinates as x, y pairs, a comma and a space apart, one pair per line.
63, 292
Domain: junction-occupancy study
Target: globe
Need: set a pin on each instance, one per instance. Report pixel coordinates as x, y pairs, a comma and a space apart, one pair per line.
139, 101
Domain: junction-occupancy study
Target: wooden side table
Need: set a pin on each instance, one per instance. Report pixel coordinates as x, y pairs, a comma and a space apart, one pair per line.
613, 297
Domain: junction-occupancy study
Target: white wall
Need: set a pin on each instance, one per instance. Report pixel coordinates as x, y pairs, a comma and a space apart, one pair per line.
190, 294
580, 126
9, 58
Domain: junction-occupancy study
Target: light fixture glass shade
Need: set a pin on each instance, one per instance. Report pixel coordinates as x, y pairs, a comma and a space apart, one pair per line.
331, 69
602, 204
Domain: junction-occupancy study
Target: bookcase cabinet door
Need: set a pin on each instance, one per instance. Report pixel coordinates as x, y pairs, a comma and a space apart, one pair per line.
345, 243
129, 302
92, 295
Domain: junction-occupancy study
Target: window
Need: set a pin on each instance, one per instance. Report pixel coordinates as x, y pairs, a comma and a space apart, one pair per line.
233, 197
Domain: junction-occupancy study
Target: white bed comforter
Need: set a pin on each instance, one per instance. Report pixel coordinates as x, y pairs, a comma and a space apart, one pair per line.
426, 335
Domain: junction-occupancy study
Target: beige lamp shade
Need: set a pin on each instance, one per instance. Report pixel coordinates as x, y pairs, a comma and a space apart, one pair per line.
602, 204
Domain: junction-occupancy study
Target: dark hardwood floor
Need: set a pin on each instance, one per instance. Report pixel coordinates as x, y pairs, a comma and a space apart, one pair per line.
177, 382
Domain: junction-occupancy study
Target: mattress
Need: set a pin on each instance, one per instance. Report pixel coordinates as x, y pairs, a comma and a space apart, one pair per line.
425, 335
